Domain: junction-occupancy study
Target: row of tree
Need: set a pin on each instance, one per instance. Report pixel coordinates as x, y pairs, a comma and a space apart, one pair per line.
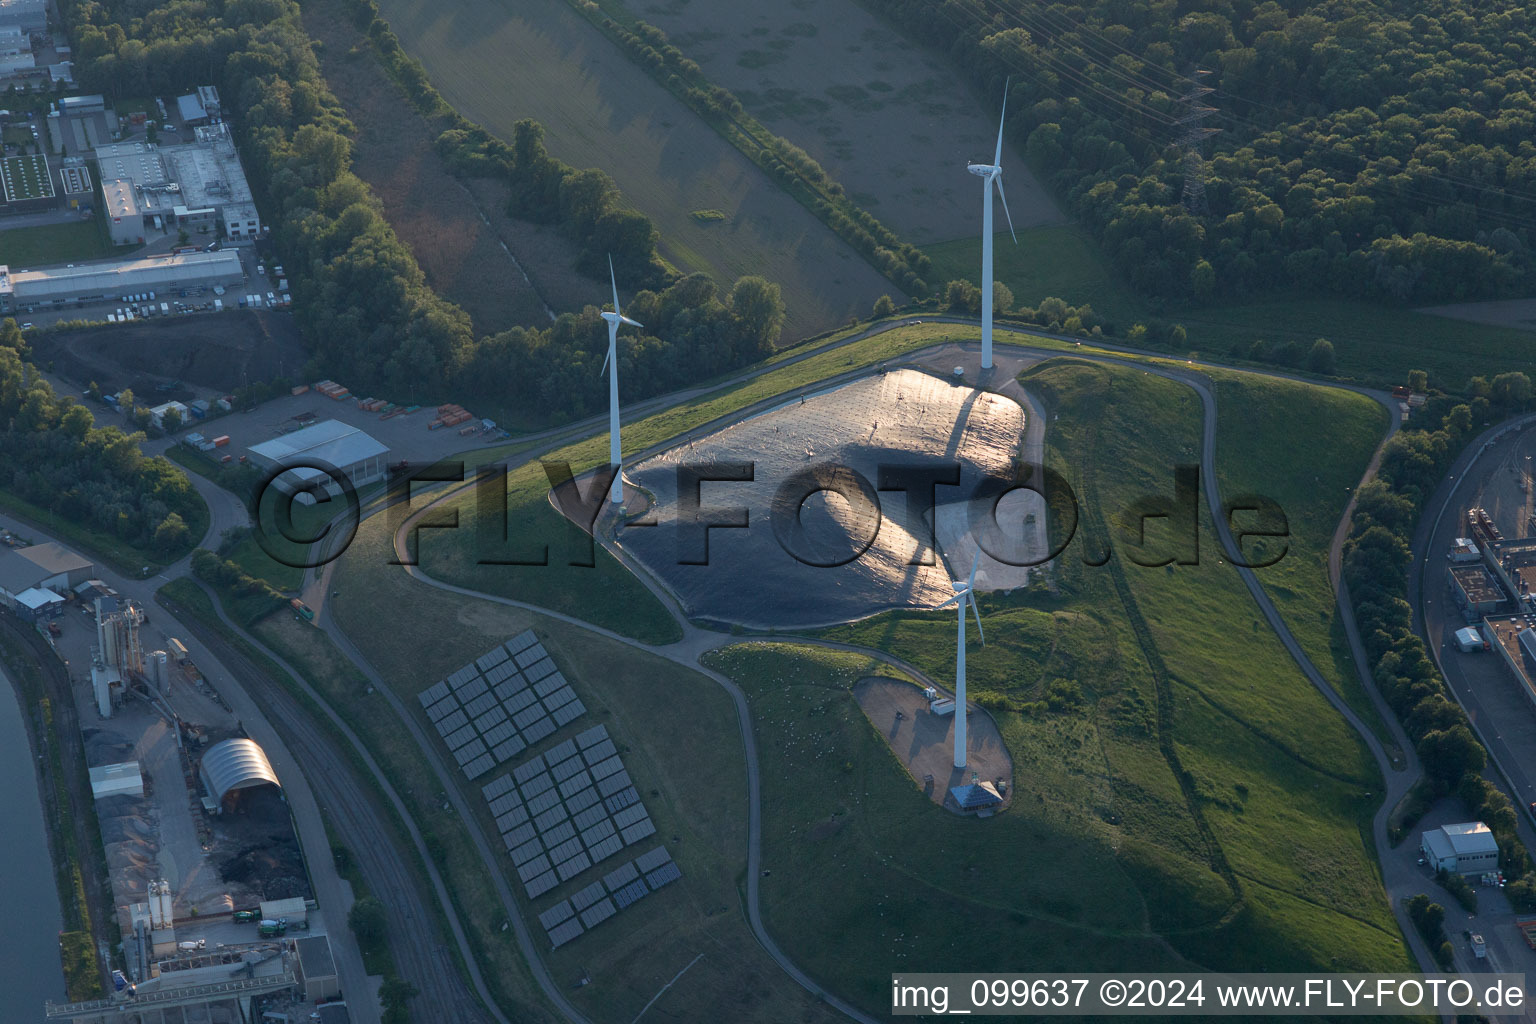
53, 456
1361, 151
1376, 562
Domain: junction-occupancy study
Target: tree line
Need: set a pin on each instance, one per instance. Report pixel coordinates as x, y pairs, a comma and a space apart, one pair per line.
366, 308
1377, 557
54, 456
1363, 151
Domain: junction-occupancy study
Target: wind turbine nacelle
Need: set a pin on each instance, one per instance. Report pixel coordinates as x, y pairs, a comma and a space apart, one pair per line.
984, 170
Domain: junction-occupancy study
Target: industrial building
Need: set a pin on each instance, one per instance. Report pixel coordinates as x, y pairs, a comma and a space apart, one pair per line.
233, 765
317, 968
330, 443
1475, 590
125, 221
117, 780
47, 568
1465, 849
111, 280
200, 107
16, 54
26, 183
198, 187
74, 106
27, 15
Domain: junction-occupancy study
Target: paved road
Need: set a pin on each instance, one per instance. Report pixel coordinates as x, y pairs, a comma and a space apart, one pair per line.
696, 641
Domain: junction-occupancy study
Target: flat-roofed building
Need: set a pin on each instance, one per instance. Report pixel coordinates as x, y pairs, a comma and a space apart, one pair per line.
111, 280
71, 106
210, 175
125, 220
28, 15
331, 443
1475, 588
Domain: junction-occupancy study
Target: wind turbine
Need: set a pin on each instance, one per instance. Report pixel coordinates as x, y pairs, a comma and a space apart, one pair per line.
964, 594
611, 364
990, 173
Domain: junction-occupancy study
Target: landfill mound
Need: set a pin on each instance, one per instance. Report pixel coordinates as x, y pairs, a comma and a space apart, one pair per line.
846, 552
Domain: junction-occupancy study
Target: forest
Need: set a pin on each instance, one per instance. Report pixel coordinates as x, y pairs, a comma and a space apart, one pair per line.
1357, 147
365, 306
53, 456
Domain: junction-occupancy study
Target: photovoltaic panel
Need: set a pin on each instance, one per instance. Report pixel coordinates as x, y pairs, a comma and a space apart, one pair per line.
565, 769
442, 709
650, 860
526, 717
560, 698
509, 748
573, 867
603, 769
472, 689
469, 751
480, 705
575, 784
495, 656
559, 752
600, 752
452, 722
541, 885
543, 802
513, 818
493, 717
460, 736
461, 676
434, 693
479, 766
497, 786
518, 838
613, 783
550, 818
526, 851
528, 769
605, 849
622, 799
565, 851
533, 868
589, 817
621, 876
504, 690
588, 896
522, 641
504, 803
587, 798
560, 833
556, 914
638, 831
564, 932
539, 730
629, 815
594, 836
539, 670
540, 783
529, 655
664, 875
499, 733
598, 912
568, 713
592, 736
549, 683
631, 893
518, 701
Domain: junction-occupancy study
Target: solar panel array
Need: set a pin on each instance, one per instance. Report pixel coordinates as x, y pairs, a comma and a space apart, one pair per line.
501, 704
567, 809
621, 888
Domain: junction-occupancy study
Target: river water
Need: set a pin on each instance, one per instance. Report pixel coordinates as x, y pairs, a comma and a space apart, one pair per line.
29, 902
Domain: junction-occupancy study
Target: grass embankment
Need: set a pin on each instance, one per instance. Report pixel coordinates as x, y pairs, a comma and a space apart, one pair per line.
1165, 745
678, 734
128, 559
1305, 447
47, 244
1375, 342
77, 946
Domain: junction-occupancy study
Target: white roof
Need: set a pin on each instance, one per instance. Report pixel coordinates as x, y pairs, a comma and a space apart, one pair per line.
38, 598
236, 764
1468, 635
116, 779
1461, 840
123, 276
332, 442
160, 410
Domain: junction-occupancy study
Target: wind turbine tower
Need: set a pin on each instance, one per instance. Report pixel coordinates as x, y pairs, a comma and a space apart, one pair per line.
990, 173
964, 594
611, 364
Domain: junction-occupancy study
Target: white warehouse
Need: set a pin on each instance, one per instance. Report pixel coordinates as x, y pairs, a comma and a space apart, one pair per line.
1465, 849
331, 443
52, 287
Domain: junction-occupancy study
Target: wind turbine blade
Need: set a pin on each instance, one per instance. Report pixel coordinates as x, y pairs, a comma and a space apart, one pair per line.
976, 561
997, 158
632, 323
949, 601
1004, 198
615, 282
606, 356
979, 632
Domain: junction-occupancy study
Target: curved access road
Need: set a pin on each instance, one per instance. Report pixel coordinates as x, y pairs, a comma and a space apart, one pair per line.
696, 642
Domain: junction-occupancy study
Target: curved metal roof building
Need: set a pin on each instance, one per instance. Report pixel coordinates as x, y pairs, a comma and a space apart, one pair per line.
236, 764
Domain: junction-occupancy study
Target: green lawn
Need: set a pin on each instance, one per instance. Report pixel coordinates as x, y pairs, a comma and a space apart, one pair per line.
1375, 343
48, 244
678, 734
1164, 742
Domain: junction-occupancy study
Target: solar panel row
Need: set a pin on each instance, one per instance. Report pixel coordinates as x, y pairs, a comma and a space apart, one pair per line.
620, 888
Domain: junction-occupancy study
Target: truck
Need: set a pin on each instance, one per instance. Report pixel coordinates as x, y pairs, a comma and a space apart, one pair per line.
246, 916
270, 929
1479, 947
303, 610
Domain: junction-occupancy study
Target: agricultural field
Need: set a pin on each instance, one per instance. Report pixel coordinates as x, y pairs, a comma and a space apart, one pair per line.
472, 253
44, 245
1164, 744
887, 118
544, 61
1376, 344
